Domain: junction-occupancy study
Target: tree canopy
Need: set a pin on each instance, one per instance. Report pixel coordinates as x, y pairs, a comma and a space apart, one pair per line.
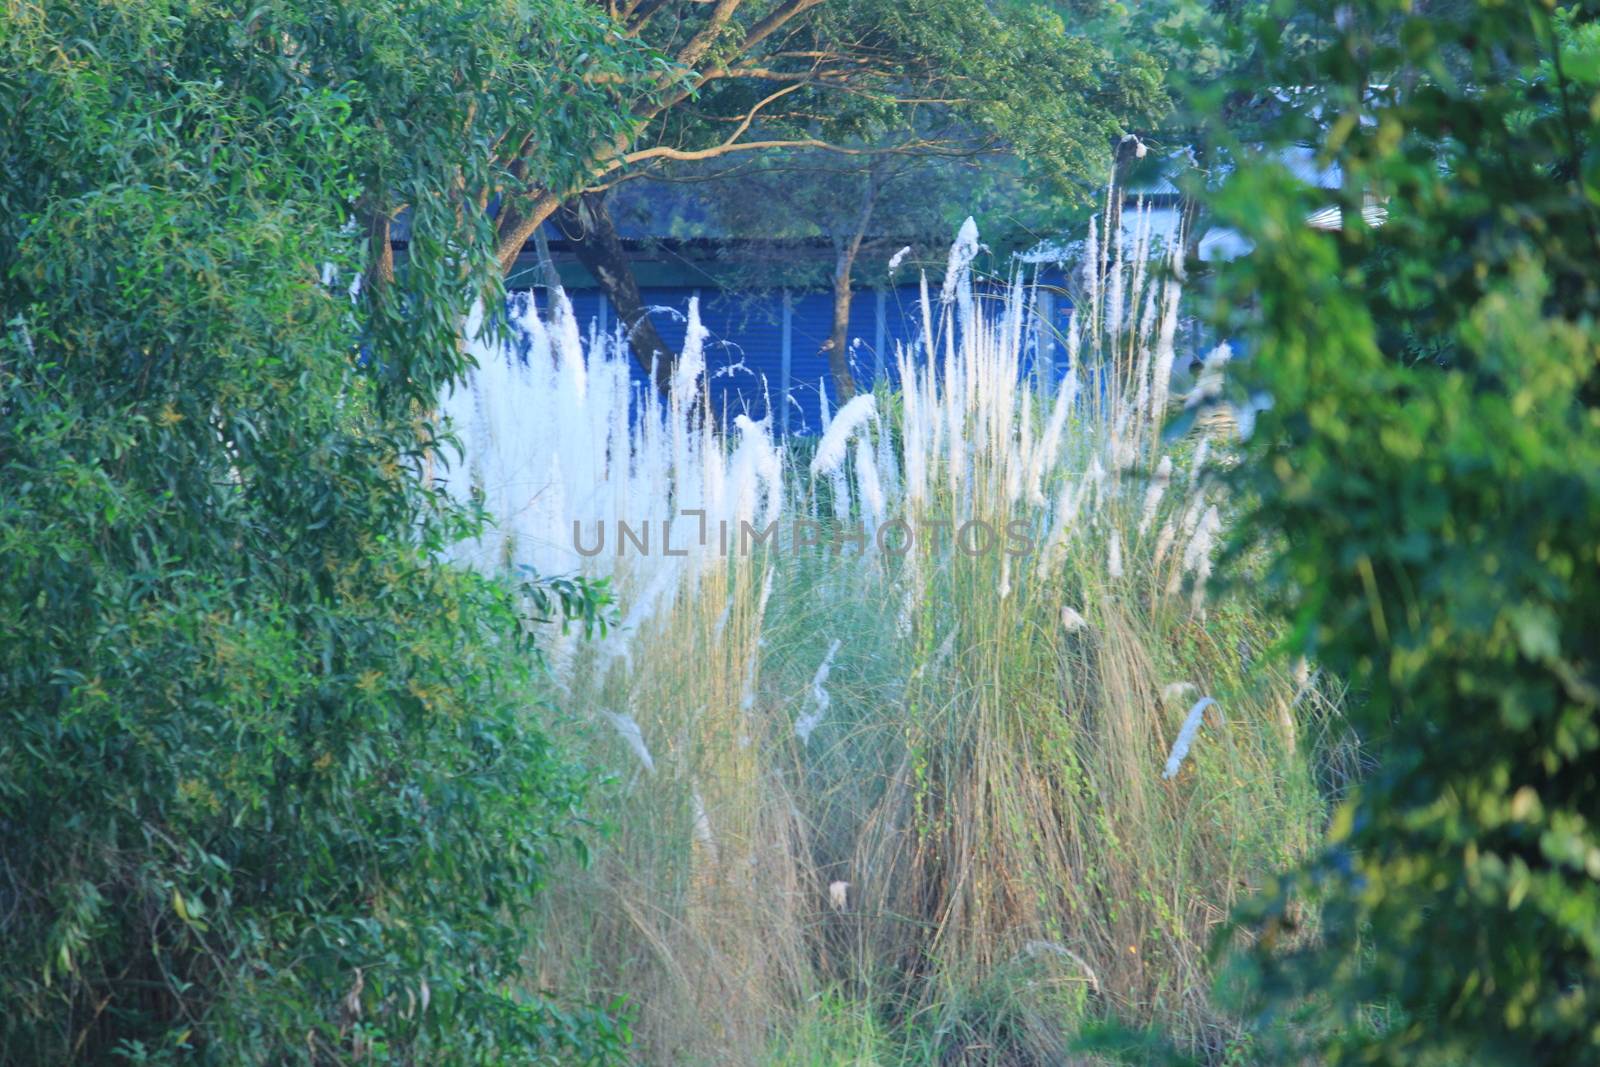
1052, 86
851, 76
268, 791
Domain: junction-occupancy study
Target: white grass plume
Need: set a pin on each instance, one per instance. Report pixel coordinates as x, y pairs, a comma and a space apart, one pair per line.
1063, 520
1191, 726
690, 366
747, 696
702, 825
1197, 558
805, 724
1185, 534
1198, 551
958, 272
831, 450
1161, 373
1035, 949
1152, 495
868, 486
1049, 446
1164, 542
1096, 483
629, 729
1197, 466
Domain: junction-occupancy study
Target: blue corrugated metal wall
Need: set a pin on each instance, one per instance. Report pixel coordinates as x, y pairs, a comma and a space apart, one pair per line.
744, 348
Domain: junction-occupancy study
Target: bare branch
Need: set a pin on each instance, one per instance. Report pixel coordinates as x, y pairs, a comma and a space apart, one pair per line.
750, 116
681, 155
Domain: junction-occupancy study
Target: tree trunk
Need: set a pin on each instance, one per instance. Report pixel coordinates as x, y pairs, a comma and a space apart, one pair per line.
837, 345
381, 271
600, 250
1127, 150
1189, 206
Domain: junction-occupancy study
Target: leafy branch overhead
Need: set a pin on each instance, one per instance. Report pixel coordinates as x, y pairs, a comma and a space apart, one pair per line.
854, 77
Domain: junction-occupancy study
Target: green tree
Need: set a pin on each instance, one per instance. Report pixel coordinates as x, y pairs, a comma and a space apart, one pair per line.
1428, 486
856, 78
268, 790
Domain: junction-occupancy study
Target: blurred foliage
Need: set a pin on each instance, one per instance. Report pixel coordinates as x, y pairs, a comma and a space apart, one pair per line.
1428, 482
268, 790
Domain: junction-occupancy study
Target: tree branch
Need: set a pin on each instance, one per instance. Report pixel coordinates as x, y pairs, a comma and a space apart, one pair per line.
780, 16
701, 42
516, 227
681, 155
755, 109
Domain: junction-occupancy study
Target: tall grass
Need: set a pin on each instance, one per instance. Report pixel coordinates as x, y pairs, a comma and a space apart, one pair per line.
973, 744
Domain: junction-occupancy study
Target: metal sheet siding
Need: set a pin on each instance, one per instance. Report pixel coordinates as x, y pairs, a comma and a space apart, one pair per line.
744, 343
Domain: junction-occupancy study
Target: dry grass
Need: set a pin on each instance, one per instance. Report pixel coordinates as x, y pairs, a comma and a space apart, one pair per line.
985, 778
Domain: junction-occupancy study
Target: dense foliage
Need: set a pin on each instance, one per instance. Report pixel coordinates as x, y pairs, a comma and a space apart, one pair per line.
267, 790
1428, 482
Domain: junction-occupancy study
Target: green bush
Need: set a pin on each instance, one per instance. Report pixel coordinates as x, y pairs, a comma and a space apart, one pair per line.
268, 791
1427, 481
